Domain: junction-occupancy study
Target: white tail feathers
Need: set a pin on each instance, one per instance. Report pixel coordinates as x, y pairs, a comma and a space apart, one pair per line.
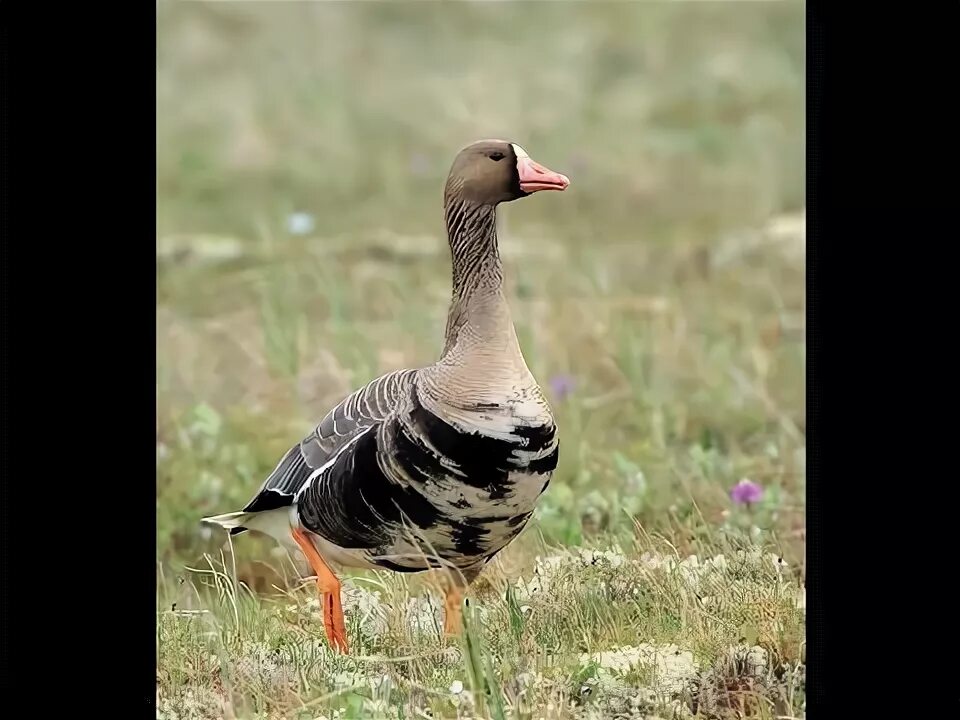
275, 523
229, 521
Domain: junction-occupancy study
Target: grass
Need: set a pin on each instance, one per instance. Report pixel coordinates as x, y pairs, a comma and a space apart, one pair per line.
578, 634
666, 288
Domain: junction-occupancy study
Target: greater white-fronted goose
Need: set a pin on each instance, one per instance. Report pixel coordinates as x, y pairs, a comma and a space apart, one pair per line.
436, 467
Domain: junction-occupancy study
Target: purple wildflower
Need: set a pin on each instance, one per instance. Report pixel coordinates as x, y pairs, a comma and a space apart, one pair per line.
746, 492
562, 385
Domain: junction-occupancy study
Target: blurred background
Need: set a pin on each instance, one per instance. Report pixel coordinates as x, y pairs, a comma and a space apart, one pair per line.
301, 252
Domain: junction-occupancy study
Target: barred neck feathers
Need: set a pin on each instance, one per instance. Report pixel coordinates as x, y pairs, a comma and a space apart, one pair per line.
481, 366
481, 358
477, 297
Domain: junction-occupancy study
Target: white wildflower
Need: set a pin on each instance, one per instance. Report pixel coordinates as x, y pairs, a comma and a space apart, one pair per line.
312, 608
656, 561
753, 556
690, 570
450, 656
368, 606
261, 662
380, 684
300, 223
673, 668
343, 679
718, 562
753, 660
456, 687
613, 558
544, 571
526, 589
757, 660
547, 567
421, 615
527, 681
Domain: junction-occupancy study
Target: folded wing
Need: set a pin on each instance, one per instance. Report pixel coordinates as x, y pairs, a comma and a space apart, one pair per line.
365, 407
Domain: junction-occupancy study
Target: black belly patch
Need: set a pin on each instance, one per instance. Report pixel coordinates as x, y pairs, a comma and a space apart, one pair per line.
483, 461
405, 474
546, 464
468, 539
354, 504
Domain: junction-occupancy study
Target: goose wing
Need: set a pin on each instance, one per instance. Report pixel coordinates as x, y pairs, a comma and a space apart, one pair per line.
363, 408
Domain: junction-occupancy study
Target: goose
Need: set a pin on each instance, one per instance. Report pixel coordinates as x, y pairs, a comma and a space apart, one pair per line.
438, 467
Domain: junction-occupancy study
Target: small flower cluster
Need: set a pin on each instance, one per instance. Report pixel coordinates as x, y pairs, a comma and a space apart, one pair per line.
549, 568
673, 667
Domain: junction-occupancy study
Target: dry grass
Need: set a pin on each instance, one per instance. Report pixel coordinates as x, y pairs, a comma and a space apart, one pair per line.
574, 634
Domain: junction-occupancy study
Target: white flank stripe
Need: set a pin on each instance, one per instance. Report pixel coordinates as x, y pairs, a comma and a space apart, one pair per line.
319, 471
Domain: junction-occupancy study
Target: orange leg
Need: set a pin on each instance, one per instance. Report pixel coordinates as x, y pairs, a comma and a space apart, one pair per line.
453, 610
457, 582
329, 587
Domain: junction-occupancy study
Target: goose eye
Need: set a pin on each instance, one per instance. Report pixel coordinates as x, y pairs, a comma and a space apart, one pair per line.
498, 156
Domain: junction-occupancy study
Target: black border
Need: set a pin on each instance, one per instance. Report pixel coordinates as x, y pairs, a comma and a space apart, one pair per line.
78, 351
880, 135
79, 311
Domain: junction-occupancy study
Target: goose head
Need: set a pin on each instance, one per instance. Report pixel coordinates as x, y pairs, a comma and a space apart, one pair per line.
489, 172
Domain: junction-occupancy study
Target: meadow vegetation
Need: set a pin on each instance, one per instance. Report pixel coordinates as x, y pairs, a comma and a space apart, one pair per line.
301, 151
